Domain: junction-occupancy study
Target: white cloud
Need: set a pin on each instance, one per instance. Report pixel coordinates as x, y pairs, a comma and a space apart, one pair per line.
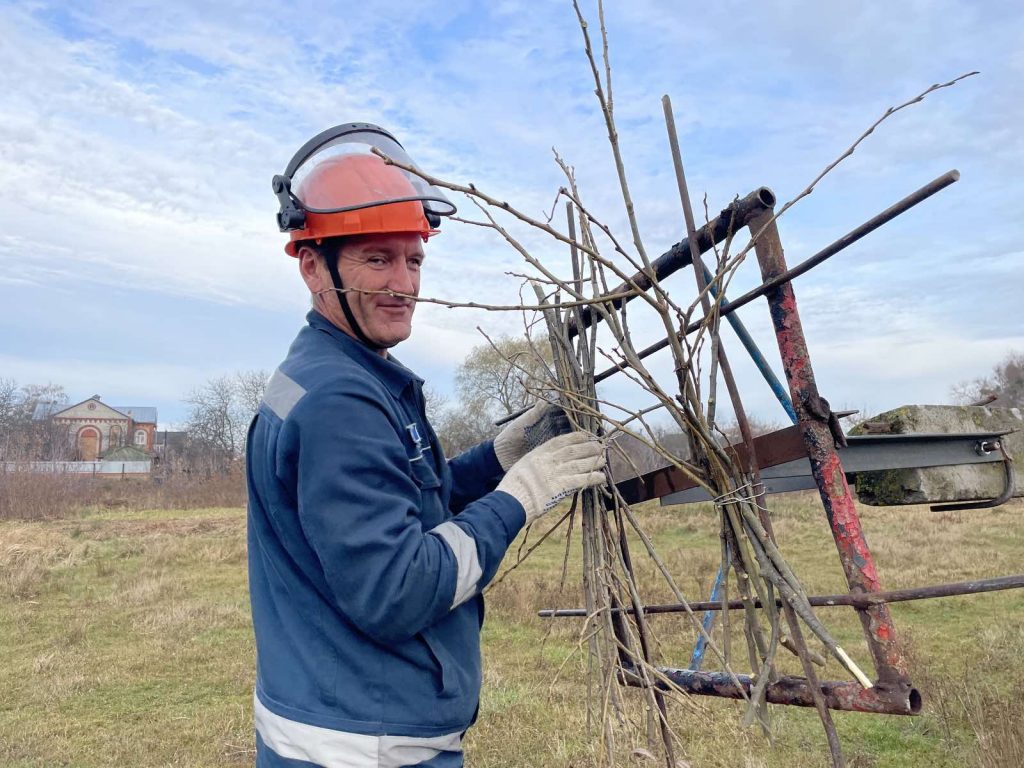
137, 141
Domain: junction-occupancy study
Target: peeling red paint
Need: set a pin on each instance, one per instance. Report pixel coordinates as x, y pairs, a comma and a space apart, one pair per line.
854, 553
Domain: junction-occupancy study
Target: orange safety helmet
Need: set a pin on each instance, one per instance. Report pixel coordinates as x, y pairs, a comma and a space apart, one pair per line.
342, 188
347, 181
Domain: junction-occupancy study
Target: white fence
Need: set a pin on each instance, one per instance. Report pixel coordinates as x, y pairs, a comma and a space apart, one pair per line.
95, 468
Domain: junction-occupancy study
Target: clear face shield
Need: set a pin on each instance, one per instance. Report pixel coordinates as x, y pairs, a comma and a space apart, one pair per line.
373, 183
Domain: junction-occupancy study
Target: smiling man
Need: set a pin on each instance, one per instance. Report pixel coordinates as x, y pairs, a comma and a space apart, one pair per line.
367, 548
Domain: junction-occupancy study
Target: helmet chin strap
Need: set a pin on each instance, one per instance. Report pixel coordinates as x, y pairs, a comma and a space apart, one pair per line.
332, 267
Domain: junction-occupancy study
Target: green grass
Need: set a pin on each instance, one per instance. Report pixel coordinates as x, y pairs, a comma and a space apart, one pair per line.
126, 640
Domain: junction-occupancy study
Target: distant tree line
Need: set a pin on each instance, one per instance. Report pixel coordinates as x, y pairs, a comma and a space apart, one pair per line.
496, 379
213, 438
24, 438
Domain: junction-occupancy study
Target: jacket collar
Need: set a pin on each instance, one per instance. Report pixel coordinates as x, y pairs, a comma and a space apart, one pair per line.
395, 376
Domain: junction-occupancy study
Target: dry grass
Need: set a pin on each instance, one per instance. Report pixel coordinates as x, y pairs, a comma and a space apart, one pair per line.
40, 496
913, 547
126, 641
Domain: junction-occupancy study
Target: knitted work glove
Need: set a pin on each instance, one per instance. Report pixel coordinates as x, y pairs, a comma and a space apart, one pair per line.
558, 468
535, 427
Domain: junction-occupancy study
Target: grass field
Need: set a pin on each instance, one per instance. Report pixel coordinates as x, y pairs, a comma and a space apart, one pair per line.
126, 641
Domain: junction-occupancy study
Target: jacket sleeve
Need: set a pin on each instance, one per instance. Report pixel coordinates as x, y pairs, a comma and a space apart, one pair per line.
358, 508
475, 473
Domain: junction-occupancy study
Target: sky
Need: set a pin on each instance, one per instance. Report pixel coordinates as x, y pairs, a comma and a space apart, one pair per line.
139, 254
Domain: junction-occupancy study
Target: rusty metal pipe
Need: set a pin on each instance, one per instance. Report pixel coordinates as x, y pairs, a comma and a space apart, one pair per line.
882, 699
825, 253
975, 587
732, 219
819, 428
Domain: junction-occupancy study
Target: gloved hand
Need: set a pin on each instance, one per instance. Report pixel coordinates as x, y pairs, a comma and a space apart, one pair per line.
535, 427
554, 470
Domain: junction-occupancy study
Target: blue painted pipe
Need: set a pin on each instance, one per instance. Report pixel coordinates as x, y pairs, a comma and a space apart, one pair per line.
755, 353
707, 622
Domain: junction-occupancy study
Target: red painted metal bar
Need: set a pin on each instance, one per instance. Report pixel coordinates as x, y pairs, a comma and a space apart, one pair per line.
820, 432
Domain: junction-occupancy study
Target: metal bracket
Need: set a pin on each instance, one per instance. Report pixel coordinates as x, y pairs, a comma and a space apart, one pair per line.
984, 448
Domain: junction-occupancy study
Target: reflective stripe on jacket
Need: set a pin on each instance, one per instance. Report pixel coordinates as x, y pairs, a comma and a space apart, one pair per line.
367, 552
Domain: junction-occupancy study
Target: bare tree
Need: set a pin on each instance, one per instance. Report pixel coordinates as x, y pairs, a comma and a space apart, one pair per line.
250, 386
22, 435
436, 402
497, 378
463, 425
730, 431
1005, 384
501, 377
219, 416
457, 428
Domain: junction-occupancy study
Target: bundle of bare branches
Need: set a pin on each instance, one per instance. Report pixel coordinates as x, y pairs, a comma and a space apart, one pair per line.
601, 277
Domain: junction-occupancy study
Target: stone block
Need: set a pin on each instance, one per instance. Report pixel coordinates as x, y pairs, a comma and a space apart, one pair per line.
968, 482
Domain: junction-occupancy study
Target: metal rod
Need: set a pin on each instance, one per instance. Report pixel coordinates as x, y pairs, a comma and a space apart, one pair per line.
719, 357
881, 699
975, 587
825, 253
819, 428
754, 351
733, 218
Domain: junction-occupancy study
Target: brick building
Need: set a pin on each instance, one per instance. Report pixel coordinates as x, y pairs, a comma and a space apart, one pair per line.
94, 428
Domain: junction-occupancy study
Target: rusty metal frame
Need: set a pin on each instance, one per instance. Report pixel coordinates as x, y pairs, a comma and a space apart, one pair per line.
820, 431
821, 437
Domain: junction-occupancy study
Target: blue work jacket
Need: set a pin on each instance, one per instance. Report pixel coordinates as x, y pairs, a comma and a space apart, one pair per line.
367, 552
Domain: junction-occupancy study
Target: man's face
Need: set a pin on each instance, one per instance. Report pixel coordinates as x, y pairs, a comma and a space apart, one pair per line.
384, 262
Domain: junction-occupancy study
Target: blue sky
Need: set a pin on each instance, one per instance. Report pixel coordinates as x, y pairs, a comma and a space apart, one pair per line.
139, 255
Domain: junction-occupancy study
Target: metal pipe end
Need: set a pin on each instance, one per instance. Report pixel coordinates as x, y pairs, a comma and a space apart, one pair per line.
766, 196
914, 701
955, 175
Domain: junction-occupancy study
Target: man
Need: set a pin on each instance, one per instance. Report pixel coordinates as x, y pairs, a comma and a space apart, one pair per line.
367, 549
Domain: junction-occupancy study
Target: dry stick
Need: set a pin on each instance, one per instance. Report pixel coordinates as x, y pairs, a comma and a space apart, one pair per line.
684, 419
558, 331
661, 295
795, 596
643, 632
687, 390
591, 553
846, 153
698, 268
757, 692
595, 559
478, 305
661, 299
651, 691
476, 196
717, 352
748, 575
620, 332
607, 110
677, 593
726, 564
520, 559
716, 319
